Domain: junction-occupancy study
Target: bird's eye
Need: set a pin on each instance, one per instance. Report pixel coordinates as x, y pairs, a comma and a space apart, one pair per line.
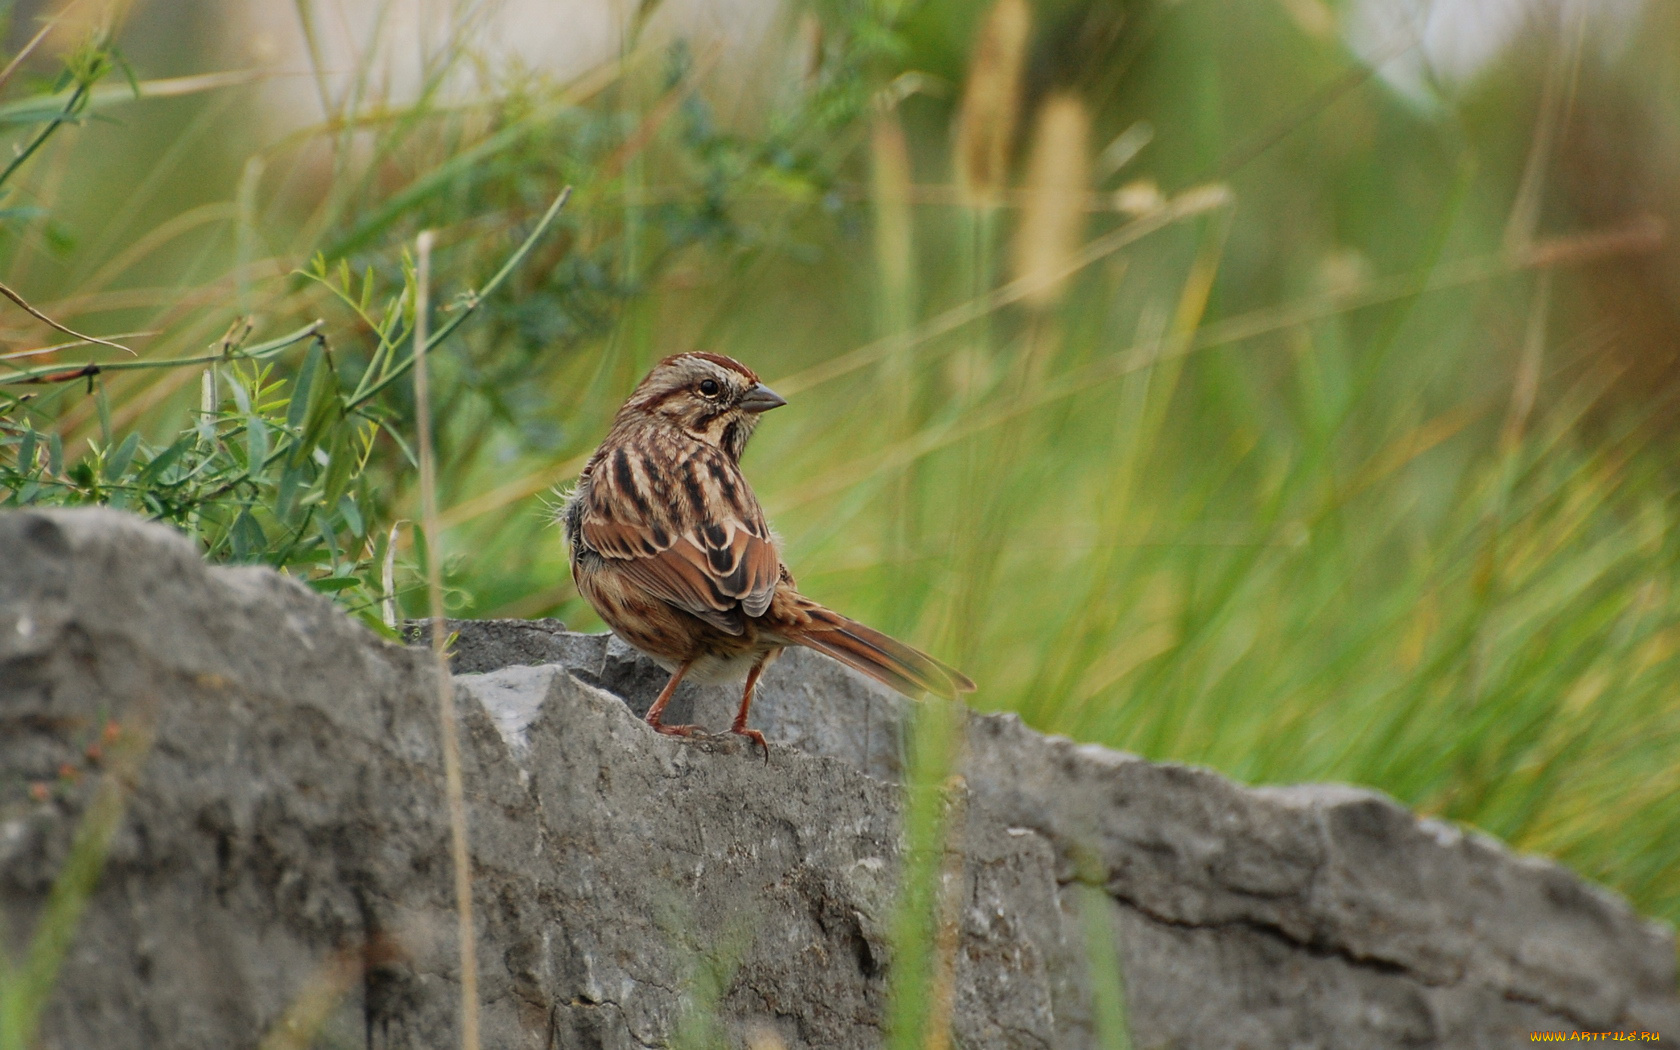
709, 387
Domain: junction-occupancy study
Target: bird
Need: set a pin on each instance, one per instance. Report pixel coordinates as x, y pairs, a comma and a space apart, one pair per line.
668, 543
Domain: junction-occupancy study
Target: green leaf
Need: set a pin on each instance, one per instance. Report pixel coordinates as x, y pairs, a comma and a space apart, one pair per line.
371, 620
26, 451
55, 455
328, 537
256, 445
323, 412
285, 499
352, 516
333, 584
117, 465
246, 536
161, 462
341, 465
236, 386
388, 320
298, 410
408, 453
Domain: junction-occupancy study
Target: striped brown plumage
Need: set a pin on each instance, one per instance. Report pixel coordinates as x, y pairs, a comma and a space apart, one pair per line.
670, 546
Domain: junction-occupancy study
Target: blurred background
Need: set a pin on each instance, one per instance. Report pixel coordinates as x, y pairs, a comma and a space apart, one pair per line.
1286, 386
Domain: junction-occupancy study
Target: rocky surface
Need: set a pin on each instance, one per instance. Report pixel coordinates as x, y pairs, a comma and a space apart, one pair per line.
283, 865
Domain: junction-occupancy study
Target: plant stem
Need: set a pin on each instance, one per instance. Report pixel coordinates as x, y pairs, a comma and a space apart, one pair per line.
445, 685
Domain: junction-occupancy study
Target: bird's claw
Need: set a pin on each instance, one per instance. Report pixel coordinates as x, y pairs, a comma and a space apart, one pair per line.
756, 737
691, 731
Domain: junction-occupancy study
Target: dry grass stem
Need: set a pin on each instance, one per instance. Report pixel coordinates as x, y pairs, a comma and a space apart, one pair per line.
1125, 148
23, 54
895, 253
1556, 101
56, 347
1053, 222
991, 103
388, 578
446, 690
950, 900
891, 183
1642, 234
49, 322
1525, 386
300, 1026
935, 193
1138, 198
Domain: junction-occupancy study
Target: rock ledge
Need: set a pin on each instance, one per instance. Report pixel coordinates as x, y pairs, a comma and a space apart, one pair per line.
287, 833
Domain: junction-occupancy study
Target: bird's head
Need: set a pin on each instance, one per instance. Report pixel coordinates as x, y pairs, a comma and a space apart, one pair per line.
711, 398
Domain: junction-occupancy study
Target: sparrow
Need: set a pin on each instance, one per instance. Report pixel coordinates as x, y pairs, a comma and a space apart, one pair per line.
669, 545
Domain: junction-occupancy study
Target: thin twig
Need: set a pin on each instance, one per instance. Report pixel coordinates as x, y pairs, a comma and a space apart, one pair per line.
446, 691
53, 374
56, 347
49, 322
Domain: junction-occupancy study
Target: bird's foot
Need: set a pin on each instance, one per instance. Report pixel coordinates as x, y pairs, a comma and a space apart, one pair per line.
661, 727
756, 737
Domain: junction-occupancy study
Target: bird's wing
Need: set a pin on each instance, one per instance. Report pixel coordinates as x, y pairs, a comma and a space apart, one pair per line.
685, 525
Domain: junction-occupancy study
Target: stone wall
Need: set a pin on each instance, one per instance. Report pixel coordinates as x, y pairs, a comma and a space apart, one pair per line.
283, 857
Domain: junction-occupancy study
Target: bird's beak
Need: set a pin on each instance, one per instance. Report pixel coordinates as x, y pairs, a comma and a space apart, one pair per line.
762, 399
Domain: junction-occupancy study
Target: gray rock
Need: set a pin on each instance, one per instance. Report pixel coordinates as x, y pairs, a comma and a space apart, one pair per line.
485, 645
1321, 907
284, 852
805, 700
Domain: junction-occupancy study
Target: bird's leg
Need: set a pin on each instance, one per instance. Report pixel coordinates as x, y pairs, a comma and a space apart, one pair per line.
664, 698
740, 725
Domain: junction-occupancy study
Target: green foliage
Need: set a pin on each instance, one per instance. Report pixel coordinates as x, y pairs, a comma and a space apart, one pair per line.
64, 100
271, 470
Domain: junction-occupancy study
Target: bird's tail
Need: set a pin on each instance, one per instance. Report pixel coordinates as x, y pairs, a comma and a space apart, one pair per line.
883, 658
